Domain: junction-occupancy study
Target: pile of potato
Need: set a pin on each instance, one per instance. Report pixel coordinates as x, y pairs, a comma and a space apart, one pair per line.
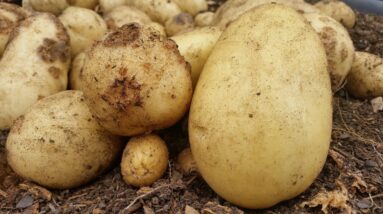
78, 76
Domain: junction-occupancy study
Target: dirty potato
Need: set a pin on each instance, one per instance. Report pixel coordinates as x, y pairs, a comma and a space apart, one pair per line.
179, 23
339, 11
159, 10
136, 81
185, 162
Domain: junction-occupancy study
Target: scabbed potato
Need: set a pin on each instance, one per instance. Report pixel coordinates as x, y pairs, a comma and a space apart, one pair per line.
338, 45
144, 160
159, 10
136, 81
59, 145
338, 10
179, 23
260, 122
10, 16
204, 19
82, 33
196, 46
35, 64
124, 14
192, 6
76, 71
365, 79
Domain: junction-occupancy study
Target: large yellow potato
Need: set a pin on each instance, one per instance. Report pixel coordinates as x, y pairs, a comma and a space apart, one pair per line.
136, 81
365, 79
35, 64
84, 26
338, 10
338, 45
59, 145
260, 122
196, 46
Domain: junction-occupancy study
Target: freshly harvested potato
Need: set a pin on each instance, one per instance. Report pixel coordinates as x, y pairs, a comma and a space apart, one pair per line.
186, 163
27, 5
136, 81
57, 6
158, 27
179, 23
254, 144
35, 64
338, 10
122, 15
59, 145
204, 19
10, 16
196, 46
159, 10
108, 5
232, 9
76, 71
338, 45
365, 79
144, 160
192, 6
82, 33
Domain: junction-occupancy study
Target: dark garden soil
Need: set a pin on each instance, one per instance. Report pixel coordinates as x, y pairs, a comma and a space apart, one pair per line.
351, 180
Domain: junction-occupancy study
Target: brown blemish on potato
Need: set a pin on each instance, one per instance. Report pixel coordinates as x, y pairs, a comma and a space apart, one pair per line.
55, 72
71, 2
123, 36
183, 18
18, 124
52, 50
39, 97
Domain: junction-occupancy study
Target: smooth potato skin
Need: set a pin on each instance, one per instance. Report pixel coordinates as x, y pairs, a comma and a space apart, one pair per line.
260, 122
59, 145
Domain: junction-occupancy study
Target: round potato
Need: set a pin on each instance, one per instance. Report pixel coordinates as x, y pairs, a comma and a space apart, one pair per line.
144, 160
179, 23
365, 79
338, 10
82, 33
159, 10
35, 64
338, 45
136, 81
76, 71
59, 145
122, 15
192, 6
204, 19
260, 122
185, 162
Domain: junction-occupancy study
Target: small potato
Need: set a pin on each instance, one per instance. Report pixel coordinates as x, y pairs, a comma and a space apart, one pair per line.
144, 160
82, 33
159, 10
204, 19
76, 71
158, 27
35, 64
179, 23
338, 44
59, 145
365, 79
185, 162
196, 46
192, 6
122, 15
338, 10
109, 5
136, 81
27, 5
57, 6
10, 16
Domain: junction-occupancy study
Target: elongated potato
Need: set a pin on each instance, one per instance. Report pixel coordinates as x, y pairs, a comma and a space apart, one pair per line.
57, 6
159, 10
82, 33
179, 23
365, 79
124, 14
10, 16
76, 71
34, 65
192, 6
136, 81
260, 122
338, 10
204, 19
196, 46
338, 45
59, 145
108, 5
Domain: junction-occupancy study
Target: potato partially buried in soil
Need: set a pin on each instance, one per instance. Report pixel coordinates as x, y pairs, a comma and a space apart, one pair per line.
58, 144
136, 81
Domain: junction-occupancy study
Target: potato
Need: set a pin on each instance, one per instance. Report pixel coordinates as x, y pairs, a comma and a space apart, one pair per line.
179, 23
338, 44
186, 163
144, 160
196, 46
365, 79
10, 16
108, 5
90, 4
27, 5
232, 9
204, 19
136, 81
82, 33
159, 10
57, 6
157, 27
59, 145
35, 64
260, 122
122, 15
76, 71
192, 6
338, 10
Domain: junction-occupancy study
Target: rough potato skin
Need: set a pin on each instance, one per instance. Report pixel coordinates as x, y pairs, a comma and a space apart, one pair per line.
144, 160
136, 81
58, 144
261, 115
365, 79
34, 65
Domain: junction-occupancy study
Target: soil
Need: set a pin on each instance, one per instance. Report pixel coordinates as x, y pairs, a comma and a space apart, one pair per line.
351, 180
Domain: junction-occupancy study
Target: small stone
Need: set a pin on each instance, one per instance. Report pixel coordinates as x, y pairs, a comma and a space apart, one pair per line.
190, 210
371, 163
364, 204
24, 202
377, 104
